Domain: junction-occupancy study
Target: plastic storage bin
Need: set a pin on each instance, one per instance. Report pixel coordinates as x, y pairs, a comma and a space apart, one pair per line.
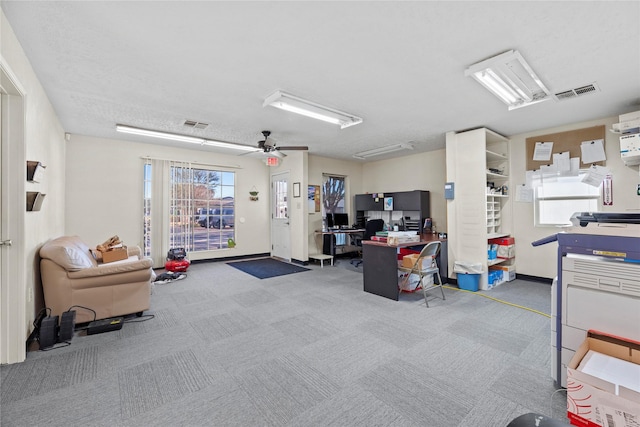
468, 282
468, 275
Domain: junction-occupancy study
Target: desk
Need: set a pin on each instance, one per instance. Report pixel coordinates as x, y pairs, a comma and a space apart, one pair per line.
380, 261
331, 233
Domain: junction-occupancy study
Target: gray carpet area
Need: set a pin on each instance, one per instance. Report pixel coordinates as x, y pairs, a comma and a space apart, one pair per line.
311, 349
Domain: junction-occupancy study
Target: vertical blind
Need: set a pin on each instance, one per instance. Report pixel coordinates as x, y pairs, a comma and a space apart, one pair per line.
170, 209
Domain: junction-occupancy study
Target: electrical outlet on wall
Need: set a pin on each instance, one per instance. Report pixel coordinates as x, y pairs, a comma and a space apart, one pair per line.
30, 295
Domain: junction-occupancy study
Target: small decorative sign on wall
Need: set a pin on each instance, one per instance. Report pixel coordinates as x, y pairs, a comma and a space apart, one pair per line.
253, 194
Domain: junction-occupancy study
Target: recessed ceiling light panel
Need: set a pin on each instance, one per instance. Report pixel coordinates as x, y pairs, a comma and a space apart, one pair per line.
510, 78
295, 104
383, 150
182, 138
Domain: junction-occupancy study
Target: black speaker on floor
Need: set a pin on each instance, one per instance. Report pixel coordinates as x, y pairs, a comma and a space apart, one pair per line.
67, 325
48, 335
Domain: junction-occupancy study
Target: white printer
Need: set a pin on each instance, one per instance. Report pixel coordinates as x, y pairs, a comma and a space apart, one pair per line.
598, 283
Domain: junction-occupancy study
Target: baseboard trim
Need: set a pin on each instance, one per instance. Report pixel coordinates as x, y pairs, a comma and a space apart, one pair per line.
518, 276
534, 278
241, 257
231, 258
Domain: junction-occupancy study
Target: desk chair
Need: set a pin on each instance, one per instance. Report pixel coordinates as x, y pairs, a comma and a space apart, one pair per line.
430, 251
370, 230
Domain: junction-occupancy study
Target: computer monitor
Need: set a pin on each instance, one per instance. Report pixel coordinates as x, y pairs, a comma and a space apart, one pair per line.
330, 220
341, 220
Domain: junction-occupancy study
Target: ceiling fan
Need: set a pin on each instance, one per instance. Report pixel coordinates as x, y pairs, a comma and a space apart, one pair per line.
268, 146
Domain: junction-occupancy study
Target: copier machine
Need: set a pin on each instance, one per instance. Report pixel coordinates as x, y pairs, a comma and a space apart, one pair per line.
598, 283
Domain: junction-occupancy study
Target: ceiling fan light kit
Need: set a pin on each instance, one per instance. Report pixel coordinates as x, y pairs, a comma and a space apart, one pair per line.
510, 78
295, 104
182, 138
268, 146
383, 150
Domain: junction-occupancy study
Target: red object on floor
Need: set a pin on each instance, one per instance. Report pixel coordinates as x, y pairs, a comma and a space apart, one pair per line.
177, 265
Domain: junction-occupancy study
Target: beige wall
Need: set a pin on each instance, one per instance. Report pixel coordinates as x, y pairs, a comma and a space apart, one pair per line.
420, 171
541, 261
104, 191
44, 142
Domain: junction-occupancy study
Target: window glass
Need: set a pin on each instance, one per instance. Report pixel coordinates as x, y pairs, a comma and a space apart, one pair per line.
146, 210
201, 208
333, 201
280, 199
333, 195
214, 209
557, 198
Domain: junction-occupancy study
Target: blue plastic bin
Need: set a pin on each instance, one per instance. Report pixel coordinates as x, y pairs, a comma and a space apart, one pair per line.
468, 282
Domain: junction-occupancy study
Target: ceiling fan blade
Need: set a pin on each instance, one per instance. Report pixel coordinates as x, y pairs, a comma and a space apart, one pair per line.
293, 147
275, 153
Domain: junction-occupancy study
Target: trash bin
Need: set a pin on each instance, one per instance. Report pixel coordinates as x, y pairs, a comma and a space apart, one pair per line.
468, 275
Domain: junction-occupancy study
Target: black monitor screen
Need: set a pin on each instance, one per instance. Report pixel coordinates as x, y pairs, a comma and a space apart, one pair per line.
341, 220
330, 220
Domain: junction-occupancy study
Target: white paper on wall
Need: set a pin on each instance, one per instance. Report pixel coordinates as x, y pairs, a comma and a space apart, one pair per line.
595, 175
542, 151
562, 162
524, 193
592, 151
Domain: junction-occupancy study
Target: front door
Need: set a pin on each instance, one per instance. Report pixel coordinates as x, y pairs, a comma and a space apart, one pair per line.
280, 227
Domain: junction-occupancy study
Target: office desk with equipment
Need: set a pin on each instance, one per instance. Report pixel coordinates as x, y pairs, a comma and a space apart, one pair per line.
380, 262
329, 238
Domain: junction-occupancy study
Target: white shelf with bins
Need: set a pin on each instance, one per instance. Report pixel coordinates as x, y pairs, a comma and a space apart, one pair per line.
481, 209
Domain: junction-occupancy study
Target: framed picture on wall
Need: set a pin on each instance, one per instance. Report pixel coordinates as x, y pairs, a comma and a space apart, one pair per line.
388, 203
313, 195
296, 189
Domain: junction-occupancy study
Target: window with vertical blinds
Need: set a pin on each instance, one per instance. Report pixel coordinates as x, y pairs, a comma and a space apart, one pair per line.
186, 206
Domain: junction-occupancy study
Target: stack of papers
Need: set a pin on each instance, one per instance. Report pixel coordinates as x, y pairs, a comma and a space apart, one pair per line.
611, 369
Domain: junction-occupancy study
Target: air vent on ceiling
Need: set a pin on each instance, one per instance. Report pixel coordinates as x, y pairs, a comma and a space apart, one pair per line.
579, 91
195, 124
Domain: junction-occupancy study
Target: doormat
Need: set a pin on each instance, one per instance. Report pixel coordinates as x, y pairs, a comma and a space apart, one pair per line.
264, 268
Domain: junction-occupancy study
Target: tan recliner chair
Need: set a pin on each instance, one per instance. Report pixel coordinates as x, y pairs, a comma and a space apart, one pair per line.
71, 276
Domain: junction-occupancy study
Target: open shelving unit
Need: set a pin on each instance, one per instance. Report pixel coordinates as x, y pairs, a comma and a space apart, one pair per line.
478, 164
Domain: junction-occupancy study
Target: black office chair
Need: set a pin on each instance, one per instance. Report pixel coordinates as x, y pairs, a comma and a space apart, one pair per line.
370, 230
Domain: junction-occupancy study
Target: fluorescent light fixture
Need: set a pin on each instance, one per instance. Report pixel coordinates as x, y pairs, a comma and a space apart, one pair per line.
297, 105
182, 138
510, 78
383, 150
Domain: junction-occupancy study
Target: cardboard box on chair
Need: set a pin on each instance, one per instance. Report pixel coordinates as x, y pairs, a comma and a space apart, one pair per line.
607, 391
115, 255
409, 261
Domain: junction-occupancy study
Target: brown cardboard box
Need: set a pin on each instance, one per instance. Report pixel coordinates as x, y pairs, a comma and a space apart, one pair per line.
509, 271
409, 261
506, 251
117, 254
592, 401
